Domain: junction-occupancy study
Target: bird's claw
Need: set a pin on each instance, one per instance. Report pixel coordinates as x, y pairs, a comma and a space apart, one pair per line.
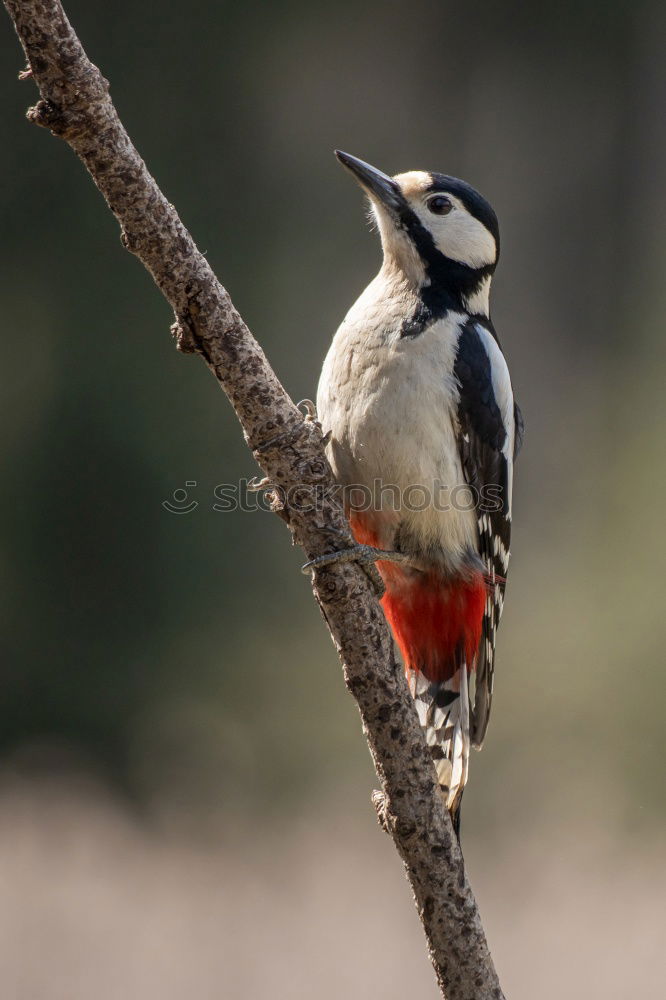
257, 485
309, 410
357, 554
365, 555
310, 417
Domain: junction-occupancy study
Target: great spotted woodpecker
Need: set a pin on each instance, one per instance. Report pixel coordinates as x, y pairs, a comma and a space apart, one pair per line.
423, 431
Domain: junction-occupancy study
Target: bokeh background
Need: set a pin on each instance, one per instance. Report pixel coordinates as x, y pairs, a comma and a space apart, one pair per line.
184, 788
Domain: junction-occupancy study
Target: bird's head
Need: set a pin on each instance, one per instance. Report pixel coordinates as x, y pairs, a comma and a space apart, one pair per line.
436, 230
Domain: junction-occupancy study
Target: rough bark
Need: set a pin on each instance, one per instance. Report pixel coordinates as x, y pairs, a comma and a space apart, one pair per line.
75, 105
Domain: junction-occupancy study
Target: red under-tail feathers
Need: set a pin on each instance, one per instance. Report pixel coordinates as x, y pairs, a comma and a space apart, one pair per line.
432, 619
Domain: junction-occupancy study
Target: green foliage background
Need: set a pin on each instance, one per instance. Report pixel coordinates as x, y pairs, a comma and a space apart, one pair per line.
181, 656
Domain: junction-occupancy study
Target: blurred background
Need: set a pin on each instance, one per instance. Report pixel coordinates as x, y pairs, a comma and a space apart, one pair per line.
184, 787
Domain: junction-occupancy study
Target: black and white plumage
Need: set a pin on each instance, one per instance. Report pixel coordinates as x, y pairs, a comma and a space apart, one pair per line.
488, 441
416, 394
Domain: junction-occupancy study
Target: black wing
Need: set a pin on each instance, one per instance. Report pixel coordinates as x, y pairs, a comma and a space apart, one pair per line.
487, 465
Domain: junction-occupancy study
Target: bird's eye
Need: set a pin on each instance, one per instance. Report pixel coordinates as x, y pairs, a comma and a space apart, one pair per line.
440, 205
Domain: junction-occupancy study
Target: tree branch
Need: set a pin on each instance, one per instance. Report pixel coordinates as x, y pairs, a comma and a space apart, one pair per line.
75, 105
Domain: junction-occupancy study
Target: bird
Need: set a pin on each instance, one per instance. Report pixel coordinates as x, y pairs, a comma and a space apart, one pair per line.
422, 431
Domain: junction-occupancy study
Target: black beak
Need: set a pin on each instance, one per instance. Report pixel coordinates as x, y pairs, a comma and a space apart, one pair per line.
375, 183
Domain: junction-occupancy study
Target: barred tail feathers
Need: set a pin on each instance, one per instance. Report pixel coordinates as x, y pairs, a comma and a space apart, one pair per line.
443, 711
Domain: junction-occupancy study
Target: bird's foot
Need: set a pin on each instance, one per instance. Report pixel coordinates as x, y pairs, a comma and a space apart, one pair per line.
273, 496
309, 410
365, 555
310, 417
255, 485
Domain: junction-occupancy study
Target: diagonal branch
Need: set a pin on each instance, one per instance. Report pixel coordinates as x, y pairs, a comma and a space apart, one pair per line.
75, 105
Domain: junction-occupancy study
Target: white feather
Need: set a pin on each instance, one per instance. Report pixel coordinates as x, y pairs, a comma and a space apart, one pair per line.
390, 405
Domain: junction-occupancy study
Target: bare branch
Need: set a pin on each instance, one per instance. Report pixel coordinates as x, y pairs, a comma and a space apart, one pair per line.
75, 105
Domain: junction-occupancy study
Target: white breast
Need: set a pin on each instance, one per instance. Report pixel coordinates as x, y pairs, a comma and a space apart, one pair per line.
390, 404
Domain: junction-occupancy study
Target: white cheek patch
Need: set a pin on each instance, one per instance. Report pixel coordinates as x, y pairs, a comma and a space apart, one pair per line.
459, 236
